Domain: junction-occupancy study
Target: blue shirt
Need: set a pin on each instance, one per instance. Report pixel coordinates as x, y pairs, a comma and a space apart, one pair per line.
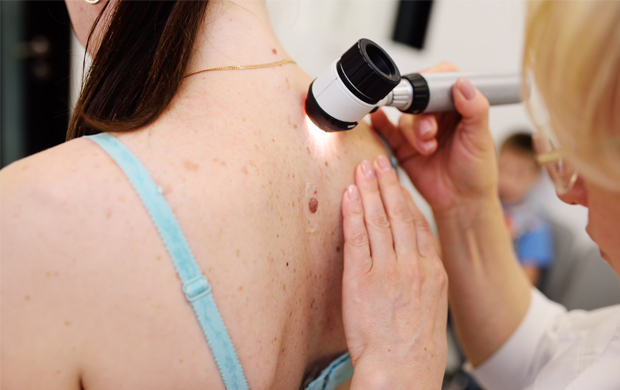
531, 234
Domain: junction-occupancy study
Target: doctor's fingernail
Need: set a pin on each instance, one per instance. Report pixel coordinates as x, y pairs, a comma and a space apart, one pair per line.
424, 127
384, 163
352, 192
466, 88
367, 169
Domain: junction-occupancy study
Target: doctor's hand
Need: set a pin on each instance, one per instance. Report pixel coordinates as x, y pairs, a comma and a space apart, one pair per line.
395, 289
450, 157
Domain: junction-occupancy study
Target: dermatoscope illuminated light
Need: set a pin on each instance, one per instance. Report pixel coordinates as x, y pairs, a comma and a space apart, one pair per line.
365, 78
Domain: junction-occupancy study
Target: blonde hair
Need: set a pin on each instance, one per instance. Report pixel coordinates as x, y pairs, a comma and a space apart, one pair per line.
572, 49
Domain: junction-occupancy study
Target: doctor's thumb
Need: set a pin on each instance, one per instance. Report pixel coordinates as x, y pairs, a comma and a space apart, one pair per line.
471, 104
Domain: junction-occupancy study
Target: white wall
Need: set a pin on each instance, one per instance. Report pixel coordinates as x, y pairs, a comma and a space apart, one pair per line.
475, 35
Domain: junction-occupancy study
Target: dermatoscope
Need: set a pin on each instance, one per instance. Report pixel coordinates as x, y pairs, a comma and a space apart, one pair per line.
365, 78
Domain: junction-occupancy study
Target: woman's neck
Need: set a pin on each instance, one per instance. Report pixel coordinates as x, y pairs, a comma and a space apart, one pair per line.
235, 32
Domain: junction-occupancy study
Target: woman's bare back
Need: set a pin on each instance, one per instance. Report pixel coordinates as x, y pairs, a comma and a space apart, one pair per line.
89, 291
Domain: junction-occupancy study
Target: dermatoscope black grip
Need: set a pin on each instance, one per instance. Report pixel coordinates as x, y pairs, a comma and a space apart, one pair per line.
421, 93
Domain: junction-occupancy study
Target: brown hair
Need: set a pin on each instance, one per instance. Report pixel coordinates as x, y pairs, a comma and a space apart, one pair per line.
521, 143
138, 66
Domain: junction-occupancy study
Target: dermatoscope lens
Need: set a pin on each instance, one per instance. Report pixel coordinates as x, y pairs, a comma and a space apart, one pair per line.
368, 71
351, 87
378, 59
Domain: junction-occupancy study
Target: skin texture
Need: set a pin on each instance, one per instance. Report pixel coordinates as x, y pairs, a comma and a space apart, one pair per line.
394, 286
89, 295
83, 15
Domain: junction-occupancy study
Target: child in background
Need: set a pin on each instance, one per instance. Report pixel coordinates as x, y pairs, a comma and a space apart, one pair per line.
531, 233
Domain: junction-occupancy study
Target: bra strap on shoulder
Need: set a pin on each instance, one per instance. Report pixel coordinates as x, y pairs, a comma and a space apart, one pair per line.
195, 285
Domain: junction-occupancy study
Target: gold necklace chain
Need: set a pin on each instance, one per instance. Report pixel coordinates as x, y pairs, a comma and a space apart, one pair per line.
240, 67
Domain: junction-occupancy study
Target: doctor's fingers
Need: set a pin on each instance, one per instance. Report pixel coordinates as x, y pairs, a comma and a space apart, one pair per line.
401, 218
425, 242
357, 259
420, 132
435, 276
377, 222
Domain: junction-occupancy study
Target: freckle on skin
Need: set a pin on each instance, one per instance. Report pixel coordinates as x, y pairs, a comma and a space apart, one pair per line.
337, 249
244, 170
28, 296
67, 323
191, 166
313, 205
238, 252
274, 51
326, 164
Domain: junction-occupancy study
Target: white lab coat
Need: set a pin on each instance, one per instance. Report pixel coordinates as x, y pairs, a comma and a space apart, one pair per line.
555, 349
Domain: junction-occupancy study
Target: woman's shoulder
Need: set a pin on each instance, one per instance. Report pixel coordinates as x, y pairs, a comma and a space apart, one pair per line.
57, 191
62, 173
52, 168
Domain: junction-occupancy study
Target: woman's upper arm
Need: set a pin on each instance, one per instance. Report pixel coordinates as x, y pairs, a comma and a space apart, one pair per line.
36, 338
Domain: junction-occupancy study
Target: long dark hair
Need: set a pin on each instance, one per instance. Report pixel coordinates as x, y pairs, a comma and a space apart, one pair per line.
138, 66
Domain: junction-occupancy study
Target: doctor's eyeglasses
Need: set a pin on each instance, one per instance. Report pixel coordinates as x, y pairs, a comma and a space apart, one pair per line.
561, 172
546, 145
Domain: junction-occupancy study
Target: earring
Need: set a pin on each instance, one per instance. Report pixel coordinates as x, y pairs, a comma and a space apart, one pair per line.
93, 2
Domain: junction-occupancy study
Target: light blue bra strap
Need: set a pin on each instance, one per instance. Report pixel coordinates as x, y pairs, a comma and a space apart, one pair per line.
333, 376
195, 285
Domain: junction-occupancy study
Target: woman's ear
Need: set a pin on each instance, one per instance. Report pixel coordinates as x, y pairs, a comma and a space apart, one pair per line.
83, 15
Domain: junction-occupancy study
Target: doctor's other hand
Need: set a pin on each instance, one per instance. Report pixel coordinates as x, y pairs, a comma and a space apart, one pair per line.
395, 289
450, 157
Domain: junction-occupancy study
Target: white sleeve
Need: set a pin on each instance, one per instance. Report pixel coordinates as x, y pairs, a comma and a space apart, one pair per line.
511, 367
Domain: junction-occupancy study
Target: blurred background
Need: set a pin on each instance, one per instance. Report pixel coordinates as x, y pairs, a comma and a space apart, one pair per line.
42, 65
